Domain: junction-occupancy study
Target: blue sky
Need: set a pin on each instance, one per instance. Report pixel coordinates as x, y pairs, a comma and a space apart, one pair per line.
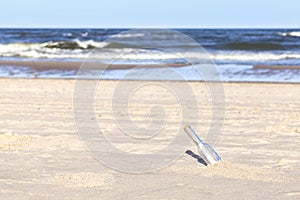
150, 13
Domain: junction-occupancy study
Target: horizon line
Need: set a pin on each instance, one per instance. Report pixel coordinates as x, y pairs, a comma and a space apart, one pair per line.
150, 27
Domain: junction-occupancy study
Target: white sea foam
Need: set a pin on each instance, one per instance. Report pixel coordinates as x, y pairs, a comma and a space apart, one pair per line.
41, 50
254, 56
85, 34
293, 33
85, 44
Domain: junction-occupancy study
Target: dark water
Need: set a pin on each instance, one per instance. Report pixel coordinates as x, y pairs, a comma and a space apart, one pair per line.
234, 51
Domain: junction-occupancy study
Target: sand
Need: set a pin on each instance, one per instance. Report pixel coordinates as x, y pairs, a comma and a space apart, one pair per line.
42, 156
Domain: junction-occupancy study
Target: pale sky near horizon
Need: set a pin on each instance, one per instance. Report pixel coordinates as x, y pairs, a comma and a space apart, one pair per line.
151, 13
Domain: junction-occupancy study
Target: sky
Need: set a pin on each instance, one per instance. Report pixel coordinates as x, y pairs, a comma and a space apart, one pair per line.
150, 13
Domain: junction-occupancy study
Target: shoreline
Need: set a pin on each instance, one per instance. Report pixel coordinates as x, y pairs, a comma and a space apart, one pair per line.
75, 65
126, 80
148, 72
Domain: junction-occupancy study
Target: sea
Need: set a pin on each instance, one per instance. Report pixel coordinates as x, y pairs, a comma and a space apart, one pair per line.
239, 55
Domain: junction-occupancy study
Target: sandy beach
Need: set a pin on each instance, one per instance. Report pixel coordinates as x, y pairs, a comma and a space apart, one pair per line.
42, 156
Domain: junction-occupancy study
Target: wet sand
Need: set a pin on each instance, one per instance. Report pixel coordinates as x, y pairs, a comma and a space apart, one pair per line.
72, 65
42, 156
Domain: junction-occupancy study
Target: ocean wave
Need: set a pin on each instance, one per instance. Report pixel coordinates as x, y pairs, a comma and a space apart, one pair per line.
293, 34
124, 53
75, 44
53, 50
84, 34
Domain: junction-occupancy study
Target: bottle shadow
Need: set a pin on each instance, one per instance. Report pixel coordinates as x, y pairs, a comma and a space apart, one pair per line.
197, 157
